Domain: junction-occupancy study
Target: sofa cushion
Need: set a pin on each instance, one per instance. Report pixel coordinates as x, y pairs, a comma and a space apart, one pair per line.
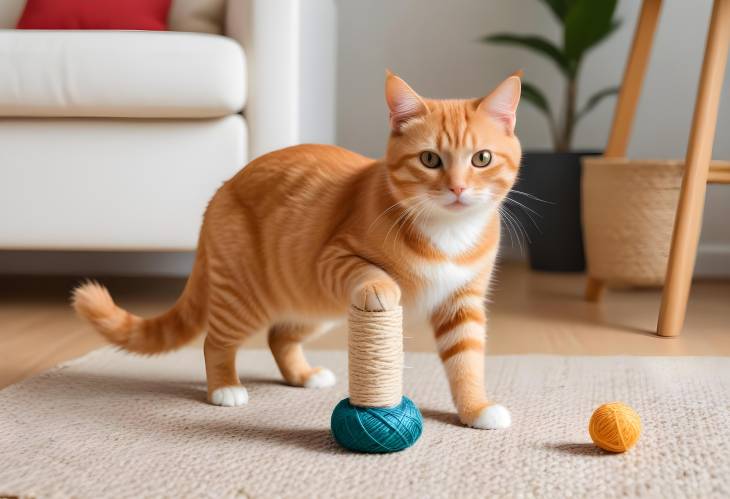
205, 16
99, 14
112, 184
132, 74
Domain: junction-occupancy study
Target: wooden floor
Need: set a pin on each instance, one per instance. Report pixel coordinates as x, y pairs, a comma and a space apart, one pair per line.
530, 313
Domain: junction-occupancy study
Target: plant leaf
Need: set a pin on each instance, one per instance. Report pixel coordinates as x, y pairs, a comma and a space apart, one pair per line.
534, 96
587, 23
615, 24
595, 99
535, 43
559, 8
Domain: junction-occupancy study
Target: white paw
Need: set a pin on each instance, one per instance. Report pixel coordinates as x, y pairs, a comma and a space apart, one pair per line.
229, 396
493, 417
323, 378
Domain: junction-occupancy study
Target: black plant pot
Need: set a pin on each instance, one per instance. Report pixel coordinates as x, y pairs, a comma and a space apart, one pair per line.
556, 244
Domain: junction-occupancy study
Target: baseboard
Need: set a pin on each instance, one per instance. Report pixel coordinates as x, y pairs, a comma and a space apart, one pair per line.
713, 260
96, 263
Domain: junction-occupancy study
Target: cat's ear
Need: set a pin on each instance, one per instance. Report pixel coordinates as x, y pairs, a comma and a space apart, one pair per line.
404, 104
501, 104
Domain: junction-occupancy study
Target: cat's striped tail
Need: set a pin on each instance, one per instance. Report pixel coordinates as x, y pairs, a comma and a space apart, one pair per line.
171, 330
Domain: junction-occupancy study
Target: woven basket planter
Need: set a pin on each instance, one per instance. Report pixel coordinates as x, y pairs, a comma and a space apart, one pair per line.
628, 217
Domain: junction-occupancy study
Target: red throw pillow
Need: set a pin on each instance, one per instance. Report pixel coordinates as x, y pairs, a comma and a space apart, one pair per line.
95, 14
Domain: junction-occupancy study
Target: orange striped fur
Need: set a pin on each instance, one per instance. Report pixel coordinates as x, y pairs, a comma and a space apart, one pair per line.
301, 234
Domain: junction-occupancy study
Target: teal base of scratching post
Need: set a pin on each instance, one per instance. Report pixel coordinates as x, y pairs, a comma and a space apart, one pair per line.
377, 429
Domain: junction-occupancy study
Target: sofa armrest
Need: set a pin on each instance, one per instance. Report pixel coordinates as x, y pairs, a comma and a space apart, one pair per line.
290, 51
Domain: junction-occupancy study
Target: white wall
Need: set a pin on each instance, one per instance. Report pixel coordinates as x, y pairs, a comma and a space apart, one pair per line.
433, 45
318, 57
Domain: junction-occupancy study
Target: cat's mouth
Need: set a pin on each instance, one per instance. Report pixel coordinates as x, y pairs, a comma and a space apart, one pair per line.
457, 205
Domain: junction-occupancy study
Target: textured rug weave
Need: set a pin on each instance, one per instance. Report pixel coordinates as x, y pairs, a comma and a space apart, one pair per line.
113, 425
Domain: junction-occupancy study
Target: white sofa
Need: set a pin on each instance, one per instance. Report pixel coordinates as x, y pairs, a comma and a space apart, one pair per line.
116, 140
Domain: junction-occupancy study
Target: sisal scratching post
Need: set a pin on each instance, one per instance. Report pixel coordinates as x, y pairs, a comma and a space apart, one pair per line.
377, 417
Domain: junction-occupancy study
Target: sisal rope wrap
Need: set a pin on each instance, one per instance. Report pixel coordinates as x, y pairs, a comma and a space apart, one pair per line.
375, 357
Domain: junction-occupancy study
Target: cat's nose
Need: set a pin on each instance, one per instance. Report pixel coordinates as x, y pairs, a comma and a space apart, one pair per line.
457, 190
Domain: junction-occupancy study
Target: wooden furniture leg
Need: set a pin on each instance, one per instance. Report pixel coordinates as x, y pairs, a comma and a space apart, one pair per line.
688, 220
628, 98
594, 289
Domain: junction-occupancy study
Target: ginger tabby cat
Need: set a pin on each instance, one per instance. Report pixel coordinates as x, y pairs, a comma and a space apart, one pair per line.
301, 234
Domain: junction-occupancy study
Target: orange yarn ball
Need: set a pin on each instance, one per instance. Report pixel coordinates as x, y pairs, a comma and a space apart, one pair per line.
615, 427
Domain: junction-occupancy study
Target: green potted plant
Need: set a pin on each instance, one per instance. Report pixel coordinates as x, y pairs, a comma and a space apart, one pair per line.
556, 243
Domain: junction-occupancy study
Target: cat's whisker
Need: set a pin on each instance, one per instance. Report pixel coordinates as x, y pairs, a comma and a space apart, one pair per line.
532, 196
392, 207
424, 209
410, 211
510, 200
406, 211
524, 230
403, 222
507, 225
383, 214
428, 212
524, 209
522, 238
519, 226
399, 202
519, 231
500, 210
427, 217
418, 213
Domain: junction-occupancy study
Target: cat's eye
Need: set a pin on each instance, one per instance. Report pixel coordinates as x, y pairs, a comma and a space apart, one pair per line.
481, 159
430, 159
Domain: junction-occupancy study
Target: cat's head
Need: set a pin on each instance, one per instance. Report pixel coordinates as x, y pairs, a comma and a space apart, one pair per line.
452, 157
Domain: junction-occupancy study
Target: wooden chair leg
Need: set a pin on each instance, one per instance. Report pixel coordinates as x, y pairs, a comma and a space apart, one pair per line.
628, 97
627, 102
688, 220
594, 289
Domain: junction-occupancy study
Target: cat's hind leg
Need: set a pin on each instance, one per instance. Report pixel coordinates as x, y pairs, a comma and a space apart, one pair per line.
226, 331
285, 341
224, 387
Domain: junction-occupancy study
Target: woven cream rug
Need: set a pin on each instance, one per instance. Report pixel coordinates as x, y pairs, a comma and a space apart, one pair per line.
114, 425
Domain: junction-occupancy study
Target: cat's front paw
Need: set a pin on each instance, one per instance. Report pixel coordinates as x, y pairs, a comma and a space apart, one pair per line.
377, 296
492, 417
229, 396
320, 377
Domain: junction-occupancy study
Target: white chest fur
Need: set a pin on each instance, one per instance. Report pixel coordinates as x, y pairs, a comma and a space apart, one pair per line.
454, 237
441, 279
438, 282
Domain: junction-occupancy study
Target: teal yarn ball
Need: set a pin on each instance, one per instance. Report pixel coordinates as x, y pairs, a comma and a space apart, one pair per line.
377, 429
